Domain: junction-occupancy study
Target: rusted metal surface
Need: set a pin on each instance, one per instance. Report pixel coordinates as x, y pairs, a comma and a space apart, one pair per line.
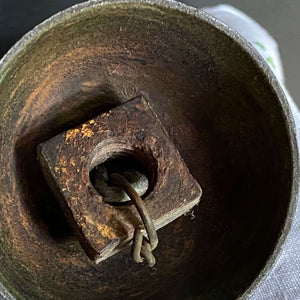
130, 128
226, 118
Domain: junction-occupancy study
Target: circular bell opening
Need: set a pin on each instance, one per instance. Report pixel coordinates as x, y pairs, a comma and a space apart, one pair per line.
223, 110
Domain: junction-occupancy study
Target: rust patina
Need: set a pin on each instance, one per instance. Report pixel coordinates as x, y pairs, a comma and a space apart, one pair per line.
222, 109
133, 128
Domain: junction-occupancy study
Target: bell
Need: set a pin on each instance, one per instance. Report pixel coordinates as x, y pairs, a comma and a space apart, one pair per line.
147, 152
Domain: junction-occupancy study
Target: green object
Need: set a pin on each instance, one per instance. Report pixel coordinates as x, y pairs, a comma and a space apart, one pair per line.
271, 62
260, 45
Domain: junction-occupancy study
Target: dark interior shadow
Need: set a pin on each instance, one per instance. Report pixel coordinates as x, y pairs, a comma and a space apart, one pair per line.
39, 199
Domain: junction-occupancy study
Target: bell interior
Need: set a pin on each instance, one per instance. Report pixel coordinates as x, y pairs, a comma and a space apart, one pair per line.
220, 111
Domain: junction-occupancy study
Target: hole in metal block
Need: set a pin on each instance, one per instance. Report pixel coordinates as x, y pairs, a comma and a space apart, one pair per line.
137, 166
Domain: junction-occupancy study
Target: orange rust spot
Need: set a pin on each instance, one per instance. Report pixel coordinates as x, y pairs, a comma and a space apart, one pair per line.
89, 220
74, 200
72, 161
17, 87
106, 231
71, 134
42, 89
106, 114
63, 161
86, 132
26, 224
79, 187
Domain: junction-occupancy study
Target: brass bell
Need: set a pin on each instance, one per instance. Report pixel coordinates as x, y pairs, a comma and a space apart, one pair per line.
169, 94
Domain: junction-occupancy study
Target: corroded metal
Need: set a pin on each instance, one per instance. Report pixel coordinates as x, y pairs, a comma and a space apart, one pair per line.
132, 128
221, 106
